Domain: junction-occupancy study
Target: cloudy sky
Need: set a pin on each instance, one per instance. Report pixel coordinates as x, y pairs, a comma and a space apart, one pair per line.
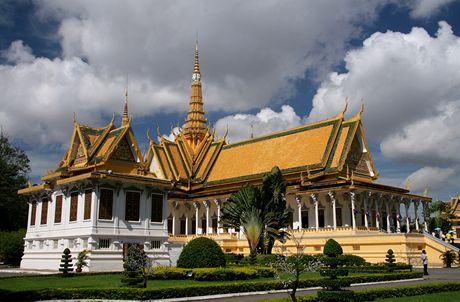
273, 64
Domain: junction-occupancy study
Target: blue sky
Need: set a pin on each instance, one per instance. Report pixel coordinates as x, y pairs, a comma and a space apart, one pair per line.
275, 64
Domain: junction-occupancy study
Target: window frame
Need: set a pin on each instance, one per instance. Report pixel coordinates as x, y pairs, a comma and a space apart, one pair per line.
160, 207
138, 206
58, 199
100, 204
73, 205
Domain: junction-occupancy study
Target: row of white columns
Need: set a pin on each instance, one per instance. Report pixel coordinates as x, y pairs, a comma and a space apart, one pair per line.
378, 201
196, 205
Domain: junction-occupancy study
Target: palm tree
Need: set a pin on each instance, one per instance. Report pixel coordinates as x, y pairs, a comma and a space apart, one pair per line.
260, 212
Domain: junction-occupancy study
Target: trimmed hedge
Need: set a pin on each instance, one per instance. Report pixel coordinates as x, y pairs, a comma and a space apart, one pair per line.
211, 274
201, 252
173, 292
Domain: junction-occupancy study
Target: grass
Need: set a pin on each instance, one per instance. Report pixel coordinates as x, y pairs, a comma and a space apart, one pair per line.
444, 297
107, 281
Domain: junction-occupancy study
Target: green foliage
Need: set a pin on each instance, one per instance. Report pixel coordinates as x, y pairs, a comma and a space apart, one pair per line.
260, 212
266, 259
406, 291
448, 257
332, 248
14, 167
201, 252
390, 260
336, 296
352, 260
211, 274
134, 265
117, 293
441, 216
81, 260
12, 246
379, 267
66, 263
232, 258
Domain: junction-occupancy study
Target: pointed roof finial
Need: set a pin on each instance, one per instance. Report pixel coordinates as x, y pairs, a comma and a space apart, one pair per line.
196, 68
125, 118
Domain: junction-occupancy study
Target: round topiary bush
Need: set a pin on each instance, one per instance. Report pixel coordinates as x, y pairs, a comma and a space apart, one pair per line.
201, 252
332, 248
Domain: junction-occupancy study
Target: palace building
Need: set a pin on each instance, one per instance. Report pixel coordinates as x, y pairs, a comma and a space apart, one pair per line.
105, 195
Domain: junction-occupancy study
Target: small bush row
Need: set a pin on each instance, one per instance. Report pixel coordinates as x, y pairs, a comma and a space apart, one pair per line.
385, 293
211, 274
175, 292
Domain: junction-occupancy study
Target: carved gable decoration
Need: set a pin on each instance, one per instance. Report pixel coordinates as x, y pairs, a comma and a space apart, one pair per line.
123, 151
358, 161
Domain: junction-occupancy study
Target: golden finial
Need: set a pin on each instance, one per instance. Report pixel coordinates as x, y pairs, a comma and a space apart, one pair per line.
252, 129
125, 119
29, 184
346, 106
113, 118
148, 135
196, 68
362, 107
425, 192
74, 117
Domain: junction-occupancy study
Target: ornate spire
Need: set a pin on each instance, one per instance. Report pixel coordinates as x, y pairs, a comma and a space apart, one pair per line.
125, 118
195, 124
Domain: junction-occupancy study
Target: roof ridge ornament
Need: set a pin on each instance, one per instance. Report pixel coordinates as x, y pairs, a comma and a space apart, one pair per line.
125, 120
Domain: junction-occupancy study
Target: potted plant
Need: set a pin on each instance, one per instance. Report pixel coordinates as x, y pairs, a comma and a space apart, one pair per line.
81, 260
448, 257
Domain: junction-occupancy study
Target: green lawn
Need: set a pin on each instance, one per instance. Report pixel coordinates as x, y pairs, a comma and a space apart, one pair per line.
444, 297
106, 281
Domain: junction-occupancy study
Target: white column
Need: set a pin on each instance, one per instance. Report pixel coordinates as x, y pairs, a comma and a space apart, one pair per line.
377, 212
314, 197
406, 206
186, 223
425, 216
219, 228
206, 205
174, 205
387, 206
416, 203
398, 216
352, 201
367, 195
298, 199
334, 214
197, 208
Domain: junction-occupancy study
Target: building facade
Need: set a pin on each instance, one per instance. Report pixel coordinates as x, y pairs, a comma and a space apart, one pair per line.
106, 195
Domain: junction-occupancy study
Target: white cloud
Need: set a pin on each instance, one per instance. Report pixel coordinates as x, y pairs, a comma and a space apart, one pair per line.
427, 8
241, 126
410, 84
431, 178
18, 53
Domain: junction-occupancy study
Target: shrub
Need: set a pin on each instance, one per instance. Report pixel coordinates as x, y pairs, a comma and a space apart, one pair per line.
332, 248
448, 257
201, 252
232, 258
390, 260
66, 263
12, 246
81, 260
336, 296
352, 260
266, 259
168, 273
134, 268
211, 274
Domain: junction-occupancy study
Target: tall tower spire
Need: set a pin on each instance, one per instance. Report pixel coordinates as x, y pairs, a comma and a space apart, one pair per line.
125, 118
195, 124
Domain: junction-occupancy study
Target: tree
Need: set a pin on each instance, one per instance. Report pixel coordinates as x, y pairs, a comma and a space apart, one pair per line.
82, 260
289, 268
260, 212
14, 167
390, 260
66, 263
134, 266
440, 216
